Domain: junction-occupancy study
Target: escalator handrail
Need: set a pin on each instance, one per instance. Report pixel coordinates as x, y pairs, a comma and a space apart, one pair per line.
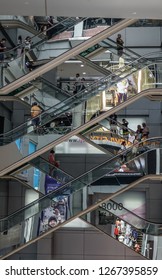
75, 131
64, 56
90, 87
37, 35
63, 187
124, 48
127, 210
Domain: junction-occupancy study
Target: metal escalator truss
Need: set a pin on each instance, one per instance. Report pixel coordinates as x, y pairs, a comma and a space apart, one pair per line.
65, 56
47, 230
79, 129
74, 189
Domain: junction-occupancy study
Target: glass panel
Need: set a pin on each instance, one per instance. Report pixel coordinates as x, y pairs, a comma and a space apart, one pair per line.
18, 143
110, 133
27, 130
24, 55
130, 230
48, 176
70, 198
32, 147
23, 64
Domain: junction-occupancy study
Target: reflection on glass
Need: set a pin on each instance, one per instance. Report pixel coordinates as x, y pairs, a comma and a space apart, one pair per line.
131, 230
76, 194
51, 115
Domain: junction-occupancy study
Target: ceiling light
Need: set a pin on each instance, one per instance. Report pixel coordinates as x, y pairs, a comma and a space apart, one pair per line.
84, 73
134, 13
82, 65
72, 61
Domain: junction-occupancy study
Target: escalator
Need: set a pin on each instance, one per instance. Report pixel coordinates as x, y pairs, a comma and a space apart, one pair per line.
94, 88
106, 44
128, 54
39, 89
70, 194
65, 56
60, 108
106, 136
18, 22
47, 88
29, 86
50, 90
46, 171
29, 58
80, 98
135, 232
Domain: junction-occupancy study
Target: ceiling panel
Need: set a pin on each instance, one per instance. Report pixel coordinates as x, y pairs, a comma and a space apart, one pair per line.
89, 8
107, 8
23, 7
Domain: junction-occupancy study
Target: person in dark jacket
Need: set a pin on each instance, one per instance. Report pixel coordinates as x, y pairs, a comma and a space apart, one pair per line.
120, 43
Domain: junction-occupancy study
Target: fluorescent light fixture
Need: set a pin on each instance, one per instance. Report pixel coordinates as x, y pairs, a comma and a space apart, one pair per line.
73, 61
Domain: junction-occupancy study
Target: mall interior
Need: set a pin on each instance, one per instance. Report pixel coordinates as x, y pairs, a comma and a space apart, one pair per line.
80, 132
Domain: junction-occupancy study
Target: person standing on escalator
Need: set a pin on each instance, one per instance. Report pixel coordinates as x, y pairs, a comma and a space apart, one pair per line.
53, 163
124, 152
77, 84
145, 131
35, 112
50, 27
125, 129
116, 232
2, 49
113, 123
120, 43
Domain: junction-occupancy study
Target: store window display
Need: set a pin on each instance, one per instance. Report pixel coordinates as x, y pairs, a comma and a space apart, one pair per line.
120, 230
127, 234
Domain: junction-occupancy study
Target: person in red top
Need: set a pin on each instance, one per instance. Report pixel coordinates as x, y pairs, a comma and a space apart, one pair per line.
51, 157
52, 161
116, 232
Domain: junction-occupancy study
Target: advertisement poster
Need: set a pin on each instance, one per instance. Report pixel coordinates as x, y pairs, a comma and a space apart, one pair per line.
58, 211
51, 184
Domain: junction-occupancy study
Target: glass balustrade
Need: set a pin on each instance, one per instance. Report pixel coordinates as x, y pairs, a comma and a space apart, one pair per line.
109, 134
20, 63
127, 228
72, 197
61, 108
42, 176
